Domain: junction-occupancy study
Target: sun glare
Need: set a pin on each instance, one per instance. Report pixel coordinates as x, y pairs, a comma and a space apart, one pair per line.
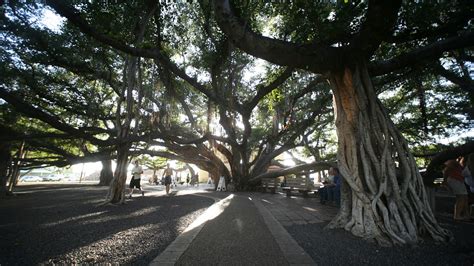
51, 20
211, 213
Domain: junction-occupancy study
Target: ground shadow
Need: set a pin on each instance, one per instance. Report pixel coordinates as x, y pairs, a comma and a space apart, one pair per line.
64, 225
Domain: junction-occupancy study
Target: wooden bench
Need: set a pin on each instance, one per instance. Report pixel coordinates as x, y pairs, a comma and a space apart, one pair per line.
301, 184
269, 184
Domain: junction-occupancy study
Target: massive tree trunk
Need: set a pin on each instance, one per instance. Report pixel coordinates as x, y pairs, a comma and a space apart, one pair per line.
16, 168
106, 174
383, 197
116, 192
5, 162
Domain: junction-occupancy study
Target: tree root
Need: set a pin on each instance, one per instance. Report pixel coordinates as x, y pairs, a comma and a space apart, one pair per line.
387, 194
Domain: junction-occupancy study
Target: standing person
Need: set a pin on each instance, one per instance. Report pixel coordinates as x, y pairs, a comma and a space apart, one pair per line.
167, 174
453, 178
468, 169
137, 172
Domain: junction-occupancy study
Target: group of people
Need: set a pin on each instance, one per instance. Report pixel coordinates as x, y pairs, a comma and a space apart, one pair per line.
457, 176
137, 172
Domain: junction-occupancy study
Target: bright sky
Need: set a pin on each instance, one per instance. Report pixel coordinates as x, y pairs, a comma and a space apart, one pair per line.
88, 168
451, 139
51, 20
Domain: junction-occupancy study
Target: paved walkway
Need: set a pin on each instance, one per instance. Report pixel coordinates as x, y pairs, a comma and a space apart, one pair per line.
246, 229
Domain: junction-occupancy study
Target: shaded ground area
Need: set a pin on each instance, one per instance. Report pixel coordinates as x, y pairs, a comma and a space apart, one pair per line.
62, 224
238, 236
338, 247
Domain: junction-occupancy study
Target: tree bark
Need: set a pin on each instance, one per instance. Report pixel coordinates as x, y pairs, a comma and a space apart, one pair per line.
116, 192
386, 198
5, 162
296, 170
106, 174
16, 168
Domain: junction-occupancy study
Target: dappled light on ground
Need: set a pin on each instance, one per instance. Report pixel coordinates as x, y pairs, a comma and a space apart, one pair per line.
309, 209
211, 213
72, 229
74, 219
128, 239
264, 200
110, 218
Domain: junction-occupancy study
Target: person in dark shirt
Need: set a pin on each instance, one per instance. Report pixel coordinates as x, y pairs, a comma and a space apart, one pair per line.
167, 174
332, 187
335, 191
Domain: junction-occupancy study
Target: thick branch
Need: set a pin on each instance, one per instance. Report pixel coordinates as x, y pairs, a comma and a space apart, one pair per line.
440, 158
33, 112
378, 26
465, 83
222, 149
421, 54
154, 53
9, 134
457, 22
304, 168
264, 90
314, 57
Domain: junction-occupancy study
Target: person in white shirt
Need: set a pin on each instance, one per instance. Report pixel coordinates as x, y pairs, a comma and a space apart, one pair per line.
137, 172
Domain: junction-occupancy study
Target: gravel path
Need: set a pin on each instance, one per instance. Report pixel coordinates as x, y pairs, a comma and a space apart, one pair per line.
61, 224
338, 247
51, 224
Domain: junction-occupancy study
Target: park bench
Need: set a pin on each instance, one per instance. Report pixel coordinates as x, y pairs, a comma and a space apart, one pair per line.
270, 184
301, 184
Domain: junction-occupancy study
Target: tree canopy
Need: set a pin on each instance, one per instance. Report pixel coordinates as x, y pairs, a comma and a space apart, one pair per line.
186, 81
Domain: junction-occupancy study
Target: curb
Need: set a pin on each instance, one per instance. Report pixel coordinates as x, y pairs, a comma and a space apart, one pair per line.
294, 254
174, 251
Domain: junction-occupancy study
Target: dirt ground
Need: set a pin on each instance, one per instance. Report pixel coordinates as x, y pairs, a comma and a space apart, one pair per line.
62, 224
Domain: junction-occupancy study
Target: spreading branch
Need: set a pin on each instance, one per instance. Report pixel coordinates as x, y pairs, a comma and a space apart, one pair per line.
299, 169
34, 112
420, 55
449, 154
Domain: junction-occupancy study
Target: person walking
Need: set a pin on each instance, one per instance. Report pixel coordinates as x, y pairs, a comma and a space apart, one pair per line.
137, 172
167, 174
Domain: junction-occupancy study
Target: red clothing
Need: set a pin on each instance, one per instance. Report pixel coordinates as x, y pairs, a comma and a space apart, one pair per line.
454, 173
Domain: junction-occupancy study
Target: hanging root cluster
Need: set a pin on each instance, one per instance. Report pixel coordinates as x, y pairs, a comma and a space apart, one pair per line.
384, 197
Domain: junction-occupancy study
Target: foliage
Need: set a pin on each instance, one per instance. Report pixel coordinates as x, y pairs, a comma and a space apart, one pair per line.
201, 80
